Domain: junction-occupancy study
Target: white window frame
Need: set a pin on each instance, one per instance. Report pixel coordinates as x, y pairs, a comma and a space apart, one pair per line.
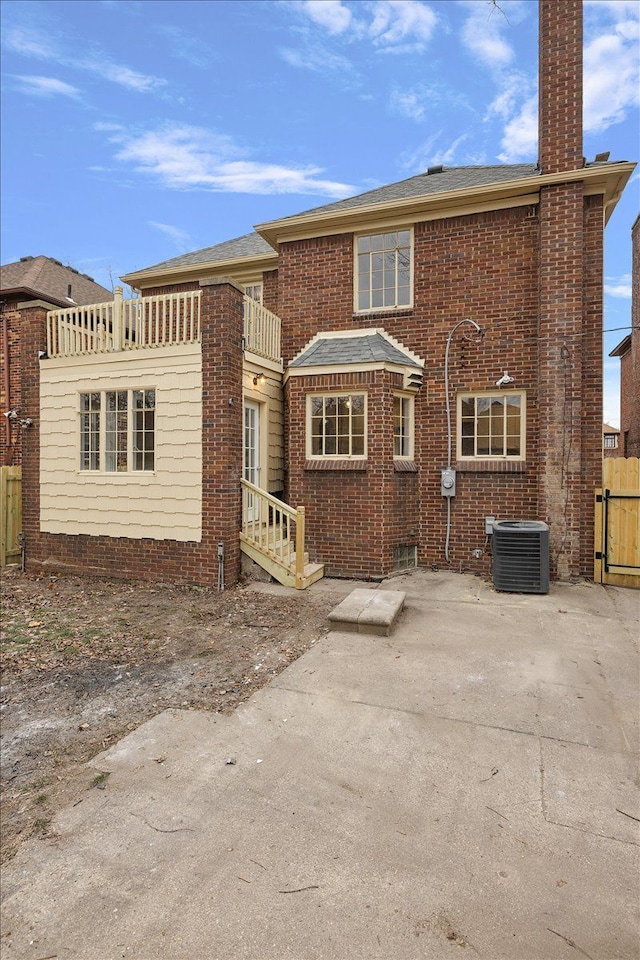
491, 395
255, 291
326, 395
407, 419
104, 461
610, 441
356, 271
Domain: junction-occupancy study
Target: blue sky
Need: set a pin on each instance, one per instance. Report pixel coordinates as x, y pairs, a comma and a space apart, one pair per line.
136, 130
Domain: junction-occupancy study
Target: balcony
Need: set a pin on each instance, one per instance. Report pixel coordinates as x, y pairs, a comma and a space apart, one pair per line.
148, 322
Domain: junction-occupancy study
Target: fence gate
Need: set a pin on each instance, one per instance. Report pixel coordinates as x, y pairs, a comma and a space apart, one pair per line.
617, 523
10, 514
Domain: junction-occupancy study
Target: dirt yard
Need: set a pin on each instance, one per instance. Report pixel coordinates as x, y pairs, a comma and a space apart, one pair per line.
84, 661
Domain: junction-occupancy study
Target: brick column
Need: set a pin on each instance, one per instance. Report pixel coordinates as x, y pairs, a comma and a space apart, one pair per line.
33, 338
562, 291
560, 85
222, 323
10, 387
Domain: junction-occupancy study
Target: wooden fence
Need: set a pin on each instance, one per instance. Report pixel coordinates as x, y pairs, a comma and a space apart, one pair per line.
10, 514
617, 523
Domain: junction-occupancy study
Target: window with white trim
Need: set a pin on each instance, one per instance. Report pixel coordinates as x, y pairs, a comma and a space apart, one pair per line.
403, 426
336, 426
610, 441
117, 431
491, 426
383, 270
254, 291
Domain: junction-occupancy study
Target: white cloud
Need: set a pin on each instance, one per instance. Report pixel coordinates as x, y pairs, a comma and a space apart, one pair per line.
187, 157
408, 103
520, 138
180, 238
121, 75
29, 43
610, 80
46, 87
431, 153
618, 286
183, 46
402, 25
482, 35
317, 58
330, 14
32, 44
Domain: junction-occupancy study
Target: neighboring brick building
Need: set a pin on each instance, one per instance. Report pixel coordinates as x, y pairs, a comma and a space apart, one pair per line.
629, 352
610, 441
31, 278
377, 384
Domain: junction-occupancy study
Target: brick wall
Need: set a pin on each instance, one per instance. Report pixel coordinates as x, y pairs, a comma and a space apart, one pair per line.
356, 511
10, 434
222, 320
482, 266
532, 279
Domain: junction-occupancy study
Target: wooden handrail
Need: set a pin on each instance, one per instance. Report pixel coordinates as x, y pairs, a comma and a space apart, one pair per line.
267, 524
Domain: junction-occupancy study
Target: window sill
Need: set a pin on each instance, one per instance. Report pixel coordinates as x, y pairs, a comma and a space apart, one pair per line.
405, 466
491, 466
335, 465
377, 311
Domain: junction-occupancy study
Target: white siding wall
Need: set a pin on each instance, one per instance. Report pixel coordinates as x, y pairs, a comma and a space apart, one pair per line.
163, 505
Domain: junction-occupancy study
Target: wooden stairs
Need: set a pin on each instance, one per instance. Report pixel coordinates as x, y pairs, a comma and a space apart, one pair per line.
272, 536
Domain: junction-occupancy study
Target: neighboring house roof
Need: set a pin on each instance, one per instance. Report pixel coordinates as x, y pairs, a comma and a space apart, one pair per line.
622, 347
43, 278
354, 347
607, 428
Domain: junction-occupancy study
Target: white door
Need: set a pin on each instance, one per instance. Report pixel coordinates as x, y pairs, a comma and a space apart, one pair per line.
251, 457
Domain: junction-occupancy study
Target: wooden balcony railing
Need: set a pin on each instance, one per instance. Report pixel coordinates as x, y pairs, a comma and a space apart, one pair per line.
118, 324
261, 330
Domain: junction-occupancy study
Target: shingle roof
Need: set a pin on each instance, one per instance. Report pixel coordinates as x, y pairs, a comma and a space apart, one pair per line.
362, 348
250, 245
441, 180
47, 279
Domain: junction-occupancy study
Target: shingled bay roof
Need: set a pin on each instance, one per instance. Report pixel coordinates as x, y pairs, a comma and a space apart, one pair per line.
363, 347
47, 279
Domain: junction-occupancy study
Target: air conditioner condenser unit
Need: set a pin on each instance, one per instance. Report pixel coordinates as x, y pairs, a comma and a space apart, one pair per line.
520, 551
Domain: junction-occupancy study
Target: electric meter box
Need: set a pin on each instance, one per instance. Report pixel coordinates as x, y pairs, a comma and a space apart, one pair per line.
448, 483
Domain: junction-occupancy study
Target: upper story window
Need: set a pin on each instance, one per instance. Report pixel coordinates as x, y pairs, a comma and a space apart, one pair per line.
491, 426
254, 291
383, 270
117, 430
403, 427
336, 425
610, 441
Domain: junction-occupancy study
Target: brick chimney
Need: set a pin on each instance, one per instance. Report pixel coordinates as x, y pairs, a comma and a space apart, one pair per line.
560, 85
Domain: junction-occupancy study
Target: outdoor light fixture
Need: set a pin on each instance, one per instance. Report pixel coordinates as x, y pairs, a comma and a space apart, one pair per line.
13, 417
260, 379
504, 380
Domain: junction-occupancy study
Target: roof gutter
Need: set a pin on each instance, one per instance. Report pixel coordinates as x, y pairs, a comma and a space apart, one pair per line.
194, 271
608, 179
